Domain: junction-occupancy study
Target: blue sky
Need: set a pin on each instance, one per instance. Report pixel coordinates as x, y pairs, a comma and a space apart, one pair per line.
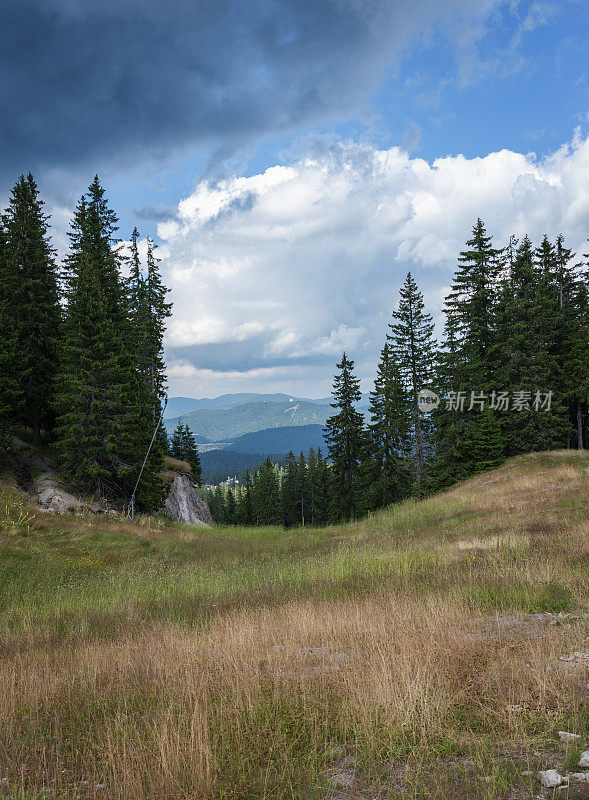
382, 118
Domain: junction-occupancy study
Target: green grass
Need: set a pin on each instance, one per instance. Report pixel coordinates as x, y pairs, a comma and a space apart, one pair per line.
404, 590
96, 577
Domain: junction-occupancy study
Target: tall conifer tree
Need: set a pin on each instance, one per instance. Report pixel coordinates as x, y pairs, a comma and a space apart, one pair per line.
10, 395
386, 468
471, 305
466, 366
289, 492
30, 260
344, 434
97, 439
413, 347
525, 357
265, 495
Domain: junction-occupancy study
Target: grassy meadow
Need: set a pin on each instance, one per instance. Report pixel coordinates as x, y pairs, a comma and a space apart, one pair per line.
392, 658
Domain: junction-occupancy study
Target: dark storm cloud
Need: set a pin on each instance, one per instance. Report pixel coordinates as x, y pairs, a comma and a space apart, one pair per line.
241, 356
120, 79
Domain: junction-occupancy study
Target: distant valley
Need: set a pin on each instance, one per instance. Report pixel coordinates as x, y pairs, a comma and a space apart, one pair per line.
236, 432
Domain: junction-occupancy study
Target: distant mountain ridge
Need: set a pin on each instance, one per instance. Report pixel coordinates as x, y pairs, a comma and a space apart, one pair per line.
226, 424
179, 406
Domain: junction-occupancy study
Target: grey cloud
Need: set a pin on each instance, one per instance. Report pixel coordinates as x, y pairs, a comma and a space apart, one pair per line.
241, 356
154, 213
88, 82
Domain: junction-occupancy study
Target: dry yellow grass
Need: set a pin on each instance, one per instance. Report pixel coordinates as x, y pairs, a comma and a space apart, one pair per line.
424, 685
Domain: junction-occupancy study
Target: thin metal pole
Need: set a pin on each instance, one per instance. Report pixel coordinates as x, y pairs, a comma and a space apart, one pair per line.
146, 457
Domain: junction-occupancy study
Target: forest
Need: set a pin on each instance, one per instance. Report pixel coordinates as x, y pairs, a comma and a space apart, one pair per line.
510, 376
81, 346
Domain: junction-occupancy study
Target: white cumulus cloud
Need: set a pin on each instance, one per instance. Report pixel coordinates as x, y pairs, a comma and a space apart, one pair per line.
273, 275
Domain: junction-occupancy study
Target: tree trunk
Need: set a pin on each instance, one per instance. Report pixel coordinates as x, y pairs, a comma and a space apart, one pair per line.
36, 434
579, 426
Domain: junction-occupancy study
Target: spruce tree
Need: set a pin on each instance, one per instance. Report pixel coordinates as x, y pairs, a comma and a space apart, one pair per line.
177, 442
569, 339
183, 447
471, 305
190, 455
29, 258
102, 435
265, 491
386, 468
344, 434
245, 512
217, 506
321, 490
413, 346
466, 365
230, 507
289, 492
302, 490
145, 343
159, 311
10, 394
451, 460
526, 355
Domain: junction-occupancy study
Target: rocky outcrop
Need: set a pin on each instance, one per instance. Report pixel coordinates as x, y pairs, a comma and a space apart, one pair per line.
46, 485
184, 504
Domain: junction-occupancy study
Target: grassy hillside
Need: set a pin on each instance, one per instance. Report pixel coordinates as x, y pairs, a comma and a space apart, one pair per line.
391, 658
220, 425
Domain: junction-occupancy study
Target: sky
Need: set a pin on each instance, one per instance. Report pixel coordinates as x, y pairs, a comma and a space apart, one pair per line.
294, 159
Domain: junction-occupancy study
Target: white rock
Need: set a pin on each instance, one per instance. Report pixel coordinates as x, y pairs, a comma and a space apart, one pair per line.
584, 760
565, 736
343, 778
550, 778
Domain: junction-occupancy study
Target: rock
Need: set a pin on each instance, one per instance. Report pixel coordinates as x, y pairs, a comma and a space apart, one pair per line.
565, 736
580, 658
343, 778
53, 498
550, 778
184, 504
584, 760
578, 776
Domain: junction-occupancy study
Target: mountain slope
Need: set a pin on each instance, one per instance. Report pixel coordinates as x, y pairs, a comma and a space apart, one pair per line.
280, 440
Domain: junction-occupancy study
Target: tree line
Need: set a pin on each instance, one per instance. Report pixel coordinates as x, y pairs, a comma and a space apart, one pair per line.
81, 345
294, 494
510, 376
